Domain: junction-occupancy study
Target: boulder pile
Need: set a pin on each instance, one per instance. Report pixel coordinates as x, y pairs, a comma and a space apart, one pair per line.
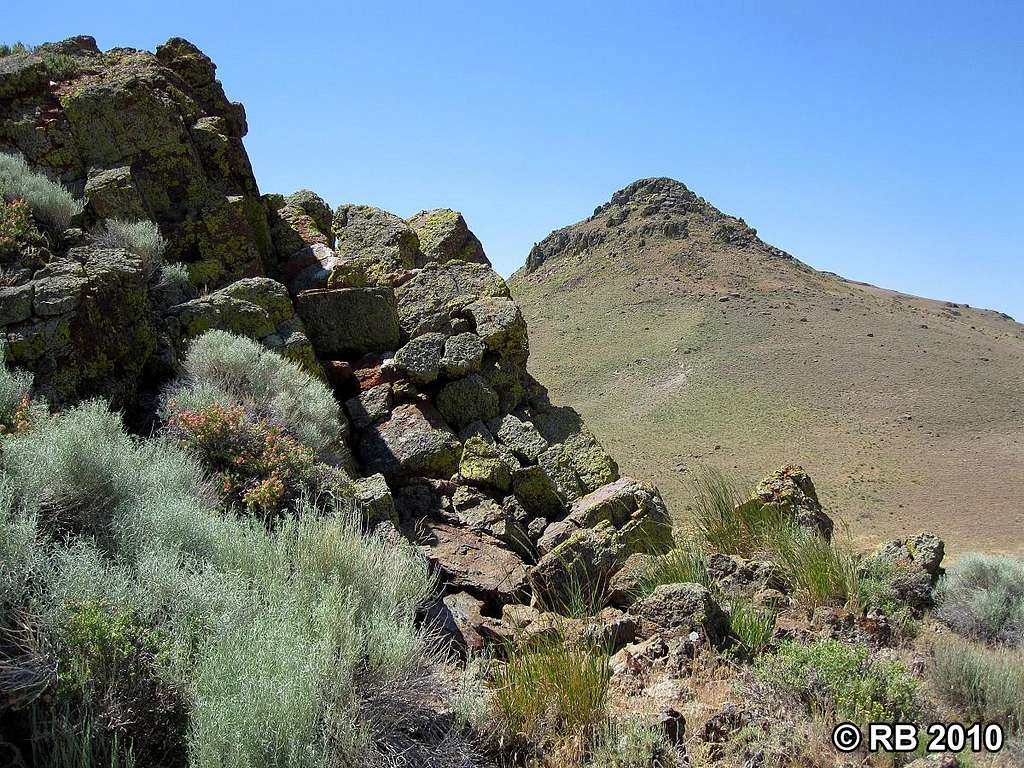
450, 441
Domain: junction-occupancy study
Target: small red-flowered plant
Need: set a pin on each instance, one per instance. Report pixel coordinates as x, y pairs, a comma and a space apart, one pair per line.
255, 463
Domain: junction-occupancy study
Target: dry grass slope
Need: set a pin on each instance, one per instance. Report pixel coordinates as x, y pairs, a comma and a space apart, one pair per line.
707, 346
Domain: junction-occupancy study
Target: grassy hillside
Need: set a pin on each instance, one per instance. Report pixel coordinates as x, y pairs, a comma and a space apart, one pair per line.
685, 340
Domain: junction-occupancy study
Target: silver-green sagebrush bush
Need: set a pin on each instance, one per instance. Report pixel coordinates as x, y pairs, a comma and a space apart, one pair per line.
51, 203
225, 369
982, 598
142, 238
179, 629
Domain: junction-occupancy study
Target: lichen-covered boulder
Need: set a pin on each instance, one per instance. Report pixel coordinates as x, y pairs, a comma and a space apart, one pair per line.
439, 292
347, 323
463, 353
90, 330
677, 609
444, 236
537, 493
257, 307
520, 437
924, 550
634, 509
500, 324
299, 225
374, 502
790, 490
420, 359
578, 465
362, 230
578, 568
370, 405
466, 400
412, 441
482, 465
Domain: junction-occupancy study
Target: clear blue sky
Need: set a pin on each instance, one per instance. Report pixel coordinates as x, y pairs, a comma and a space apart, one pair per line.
883, 141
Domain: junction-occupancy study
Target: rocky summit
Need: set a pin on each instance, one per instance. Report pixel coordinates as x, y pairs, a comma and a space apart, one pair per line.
278, 487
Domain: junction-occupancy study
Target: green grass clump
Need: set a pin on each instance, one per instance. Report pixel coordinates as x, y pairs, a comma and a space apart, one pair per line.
228, 370
142, 238
983, 684
685, 563
982, 598
751, 626
841, 681
551, 693
728, 520
51, 203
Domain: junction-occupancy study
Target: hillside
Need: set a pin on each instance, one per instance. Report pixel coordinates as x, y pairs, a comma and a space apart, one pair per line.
684, 339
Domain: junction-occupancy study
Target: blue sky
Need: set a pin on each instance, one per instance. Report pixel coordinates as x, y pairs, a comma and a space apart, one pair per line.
883, 141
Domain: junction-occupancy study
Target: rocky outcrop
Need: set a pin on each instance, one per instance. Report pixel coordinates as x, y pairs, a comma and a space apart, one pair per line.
82, 325
791, 491
454, 444
143, 135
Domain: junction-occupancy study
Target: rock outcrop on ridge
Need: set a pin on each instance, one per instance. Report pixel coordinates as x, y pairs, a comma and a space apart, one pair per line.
452, 441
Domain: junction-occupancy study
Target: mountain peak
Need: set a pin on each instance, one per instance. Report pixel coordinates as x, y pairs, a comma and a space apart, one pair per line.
645, 210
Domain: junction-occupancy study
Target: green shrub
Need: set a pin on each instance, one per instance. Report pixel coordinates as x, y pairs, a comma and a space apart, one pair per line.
297, 646
76, 470
255, 463
751, 626
551, 693
632, 743
983, 684
223, 369
877, 591
61, 66
51, 204
142, 238
841, 681
982, 598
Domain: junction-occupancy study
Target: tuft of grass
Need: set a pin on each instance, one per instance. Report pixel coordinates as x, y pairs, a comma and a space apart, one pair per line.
751, 626
982, 598
841, 681
142, 238
224, 369
820, 572
983, 684
686, 563
550, 694
728, 520
51, 203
